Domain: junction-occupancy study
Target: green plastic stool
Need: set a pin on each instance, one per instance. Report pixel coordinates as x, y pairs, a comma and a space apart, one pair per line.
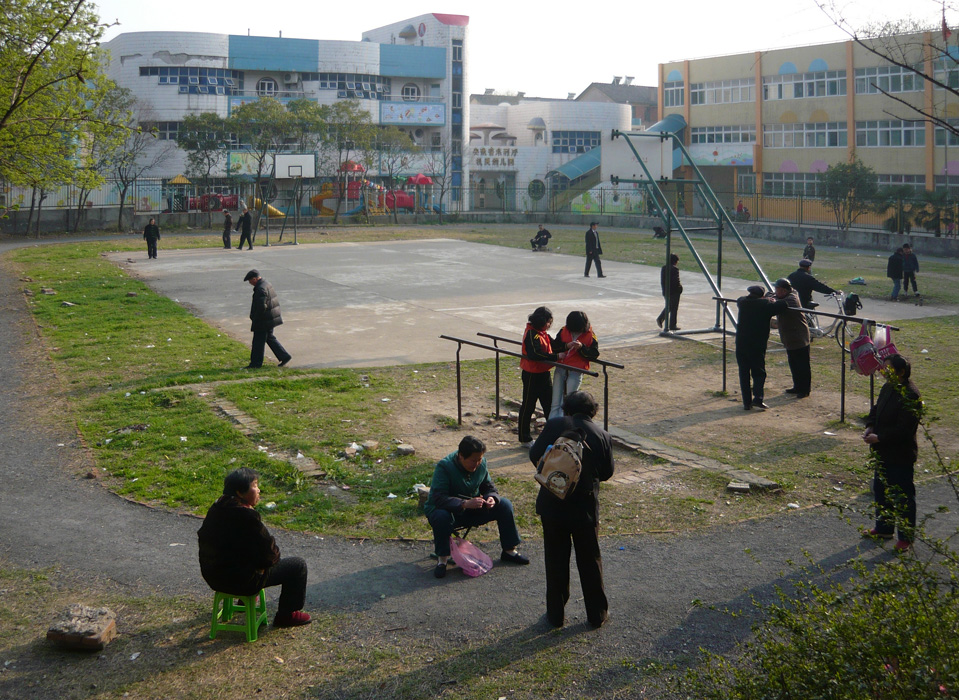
224, 607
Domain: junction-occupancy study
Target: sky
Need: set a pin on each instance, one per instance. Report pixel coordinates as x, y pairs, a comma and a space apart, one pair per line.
538, 48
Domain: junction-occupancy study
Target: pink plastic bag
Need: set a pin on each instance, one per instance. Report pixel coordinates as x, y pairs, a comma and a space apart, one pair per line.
470, 558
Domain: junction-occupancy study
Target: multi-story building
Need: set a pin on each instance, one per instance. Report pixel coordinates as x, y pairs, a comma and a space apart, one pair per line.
771, 122
410, 74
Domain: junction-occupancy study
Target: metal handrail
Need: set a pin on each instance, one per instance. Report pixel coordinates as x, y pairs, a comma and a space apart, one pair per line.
603, 363
459, 384
842, 348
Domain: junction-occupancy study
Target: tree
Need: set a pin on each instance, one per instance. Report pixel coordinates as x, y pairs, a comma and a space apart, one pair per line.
440, 161
850, 190
261, 127
205, 138
350, 135
308, 123
393, 149
141, 153
101, 143
48, 52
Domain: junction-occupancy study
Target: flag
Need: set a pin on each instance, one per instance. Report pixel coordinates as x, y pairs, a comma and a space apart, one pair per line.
946, 32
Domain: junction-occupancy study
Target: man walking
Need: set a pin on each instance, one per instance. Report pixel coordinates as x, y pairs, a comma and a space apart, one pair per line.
794, 334
894, 272
752, 336
910, 266
227, 229
265, 316
672, 289
246, 224
593, 250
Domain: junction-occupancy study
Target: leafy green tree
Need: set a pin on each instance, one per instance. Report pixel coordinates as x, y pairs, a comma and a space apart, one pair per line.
48, 52
898, 202
935, 211
308, 124
850, 190
261, 127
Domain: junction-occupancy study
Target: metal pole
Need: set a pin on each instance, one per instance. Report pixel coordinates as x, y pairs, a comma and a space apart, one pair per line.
724, 337
719, 283
605, 399
497, 379
842, 383
669, 238
459, 387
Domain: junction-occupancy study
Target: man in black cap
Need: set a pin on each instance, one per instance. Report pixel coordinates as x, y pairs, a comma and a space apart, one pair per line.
794, 334
752, 335
245, 226
805, 284
265, 316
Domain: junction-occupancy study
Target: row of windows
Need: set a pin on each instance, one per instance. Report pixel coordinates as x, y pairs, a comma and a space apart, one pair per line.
673, 94
813, 135
890, 132
195, 77
791, 184
871, 81
575, 141
723, 92
916, 182
798, 85
358, 85
723, 134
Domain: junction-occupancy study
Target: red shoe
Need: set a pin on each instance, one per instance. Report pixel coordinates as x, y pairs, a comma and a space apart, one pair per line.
902, 546
294, 619
877, 535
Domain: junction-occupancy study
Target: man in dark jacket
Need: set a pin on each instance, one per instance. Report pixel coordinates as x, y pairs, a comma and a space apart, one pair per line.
574, 521
227, 229
794, 334
151, 234
894, 272
245, 222
463, 495
910, 266
805, 284
593, 250
672, 289
752, 336
264, 316
239, 556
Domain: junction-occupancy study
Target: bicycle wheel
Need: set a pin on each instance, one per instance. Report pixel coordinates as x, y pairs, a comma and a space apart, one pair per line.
843, 337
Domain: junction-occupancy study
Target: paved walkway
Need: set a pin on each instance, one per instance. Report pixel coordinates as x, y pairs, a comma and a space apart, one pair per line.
51, 516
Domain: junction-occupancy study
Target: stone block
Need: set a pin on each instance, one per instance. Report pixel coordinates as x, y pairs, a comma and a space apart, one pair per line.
82, 627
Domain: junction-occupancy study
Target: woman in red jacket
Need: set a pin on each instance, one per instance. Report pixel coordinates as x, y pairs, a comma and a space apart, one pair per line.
536, 380
577, 340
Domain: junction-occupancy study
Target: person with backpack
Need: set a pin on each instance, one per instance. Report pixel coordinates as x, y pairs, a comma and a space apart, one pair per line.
894, 272
573, 521
576, 344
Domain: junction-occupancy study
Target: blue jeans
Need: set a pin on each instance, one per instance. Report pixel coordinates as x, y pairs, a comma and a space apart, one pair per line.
443, 521
563, 377
895, 287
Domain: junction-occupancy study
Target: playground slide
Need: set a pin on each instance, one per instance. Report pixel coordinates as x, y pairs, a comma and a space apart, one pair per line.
271, 211
317, 202
356, 210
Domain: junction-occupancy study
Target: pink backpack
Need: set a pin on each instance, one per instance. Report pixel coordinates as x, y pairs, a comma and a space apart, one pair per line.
863, 353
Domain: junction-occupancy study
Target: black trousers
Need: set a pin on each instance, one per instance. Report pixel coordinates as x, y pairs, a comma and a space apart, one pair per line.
290, 573
261, 338
590, 258
908, 277
151, 248
245, 237
752, 365
559, 535
895, 493
443, 522
800, 369
672, 310
226, 239
537, 386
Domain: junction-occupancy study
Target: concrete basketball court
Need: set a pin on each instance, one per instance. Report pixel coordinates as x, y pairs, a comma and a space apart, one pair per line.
371, 304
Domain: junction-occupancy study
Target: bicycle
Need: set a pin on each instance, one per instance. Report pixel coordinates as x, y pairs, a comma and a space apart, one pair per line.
830, 329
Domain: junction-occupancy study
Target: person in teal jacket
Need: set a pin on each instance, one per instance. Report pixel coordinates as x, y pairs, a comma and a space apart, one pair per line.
463, 495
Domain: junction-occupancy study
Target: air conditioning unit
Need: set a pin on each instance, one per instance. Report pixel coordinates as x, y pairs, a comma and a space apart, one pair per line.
291, 78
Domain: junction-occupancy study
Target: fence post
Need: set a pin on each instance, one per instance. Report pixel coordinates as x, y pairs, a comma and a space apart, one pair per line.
799, 213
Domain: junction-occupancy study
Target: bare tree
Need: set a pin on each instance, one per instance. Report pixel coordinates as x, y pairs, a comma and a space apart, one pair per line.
141, 153
439, 162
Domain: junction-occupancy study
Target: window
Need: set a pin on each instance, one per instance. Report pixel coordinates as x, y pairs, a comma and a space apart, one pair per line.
166, 131
673, 94
890, 132
917, 182
458, 50
746, 183
791, 184
946, 71
267, 87
723, 92
575, 141
723, 134
948, 182
815, 135
830, 83
942, 135
411, 92
879, 79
